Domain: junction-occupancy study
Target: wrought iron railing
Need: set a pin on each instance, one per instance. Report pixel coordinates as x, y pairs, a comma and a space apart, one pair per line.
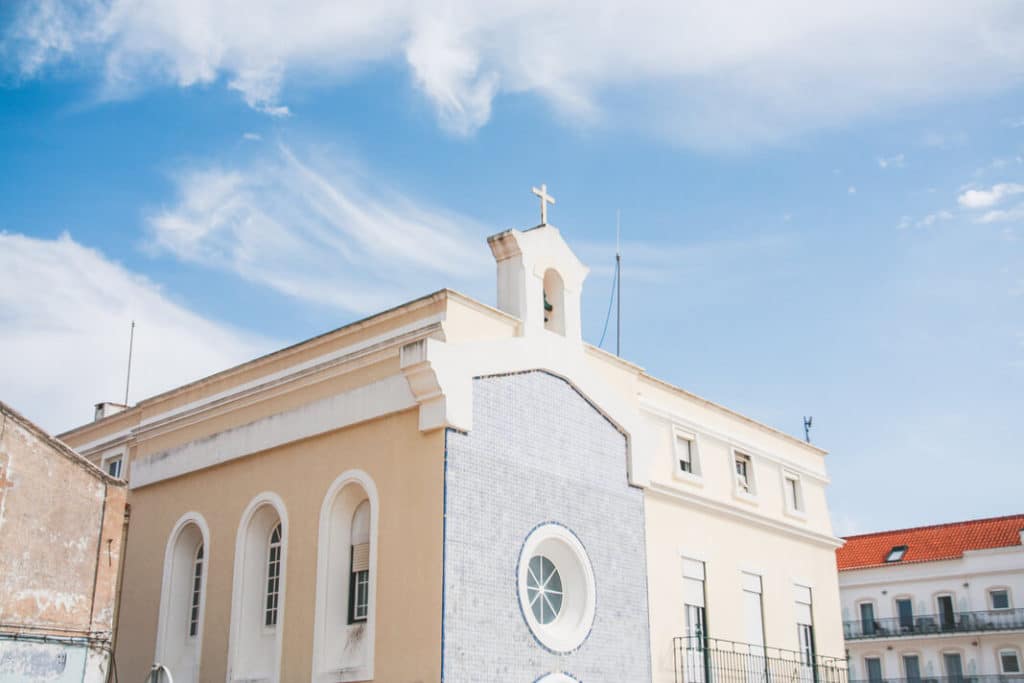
988, 678
926, 624
711, 660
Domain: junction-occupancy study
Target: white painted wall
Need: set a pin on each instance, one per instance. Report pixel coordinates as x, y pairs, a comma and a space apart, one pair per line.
968, 579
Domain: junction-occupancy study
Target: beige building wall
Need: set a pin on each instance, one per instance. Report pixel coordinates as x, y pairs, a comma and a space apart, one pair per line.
407, 467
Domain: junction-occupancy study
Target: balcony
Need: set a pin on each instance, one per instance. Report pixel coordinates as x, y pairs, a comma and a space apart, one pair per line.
933, 624
710, 660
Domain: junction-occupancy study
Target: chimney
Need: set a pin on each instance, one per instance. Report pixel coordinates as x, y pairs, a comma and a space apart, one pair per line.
106, 409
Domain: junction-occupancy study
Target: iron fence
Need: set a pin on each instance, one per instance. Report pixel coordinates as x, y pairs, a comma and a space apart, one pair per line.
929, 624
712, 660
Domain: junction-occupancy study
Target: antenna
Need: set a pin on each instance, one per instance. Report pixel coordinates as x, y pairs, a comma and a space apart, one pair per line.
808, 420
131, 345
618, 285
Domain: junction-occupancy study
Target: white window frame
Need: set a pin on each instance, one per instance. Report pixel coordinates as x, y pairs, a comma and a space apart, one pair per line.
1009, 598
694, 476
114, 457
276, 593
797, 508
748, 492
1016, 653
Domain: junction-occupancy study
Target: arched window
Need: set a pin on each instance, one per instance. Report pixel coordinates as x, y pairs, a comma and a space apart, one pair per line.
258, 594
197, 592
182, 599
343, 635
554, 302
273, 577
359, 576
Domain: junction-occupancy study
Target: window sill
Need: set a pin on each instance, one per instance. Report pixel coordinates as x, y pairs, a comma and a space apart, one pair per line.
743, 496
796, 514
688, 478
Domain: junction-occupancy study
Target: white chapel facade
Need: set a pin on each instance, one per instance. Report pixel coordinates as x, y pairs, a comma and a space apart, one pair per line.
450, 491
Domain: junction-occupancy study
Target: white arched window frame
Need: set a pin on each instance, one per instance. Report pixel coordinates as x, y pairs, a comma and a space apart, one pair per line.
554, 302
179, 636
254, 647
343, 647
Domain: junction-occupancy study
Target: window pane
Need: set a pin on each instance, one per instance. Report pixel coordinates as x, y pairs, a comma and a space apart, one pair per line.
874, 667
1000, 599
912, 667
1010, 662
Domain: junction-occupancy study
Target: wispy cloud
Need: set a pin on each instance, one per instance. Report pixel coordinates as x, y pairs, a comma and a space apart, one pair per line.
895, 161
317, 233
66, 311
1003, 215
983, 199
705, 74
925, 222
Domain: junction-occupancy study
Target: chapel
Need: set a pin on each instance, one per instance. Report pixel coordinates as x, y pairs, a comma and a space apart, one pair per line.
454, 491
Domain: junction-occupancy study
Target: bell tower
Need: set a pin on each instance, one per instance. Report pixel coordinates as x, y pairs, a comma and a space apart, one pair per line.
540, 280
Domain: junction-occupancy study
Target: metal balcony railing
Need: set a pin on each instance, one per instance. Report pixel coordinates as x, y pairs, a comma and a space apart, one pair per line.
710, 660
993, 678
928, 624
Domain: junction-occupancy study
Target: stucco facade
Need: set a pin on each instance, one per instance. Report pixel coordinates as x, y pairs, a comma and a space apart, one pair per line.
962, 617
61, 524
271, 462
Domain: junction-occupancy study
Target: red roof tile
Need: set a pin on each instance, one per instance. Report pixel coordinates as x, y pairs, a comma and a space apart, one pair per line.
930, 543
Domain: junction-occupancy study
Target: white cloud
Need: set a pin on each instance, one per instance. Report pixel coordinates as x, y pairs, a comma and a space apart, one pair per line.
983, 199
705, 74
1003, 215
928, 221
933, 218
319, 234
895, 161
252, 137
851, 190
65, 310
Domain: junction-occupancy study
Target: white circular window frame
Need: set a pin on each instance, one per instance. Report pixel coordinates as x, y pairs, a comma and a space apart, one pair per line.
572, 625
556, 678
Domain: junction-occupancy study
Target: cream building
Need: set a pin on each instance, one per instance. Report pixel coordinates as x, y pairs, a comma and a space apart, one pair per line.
936, 604
450, 491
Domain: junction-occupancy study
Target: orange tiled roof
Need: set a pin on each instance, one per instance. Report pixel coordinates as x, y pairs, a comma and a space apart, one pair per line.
930, 543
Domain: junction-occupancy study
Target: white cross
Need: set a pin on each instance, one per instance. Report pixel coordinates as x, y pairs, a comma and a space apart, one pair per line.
545, 199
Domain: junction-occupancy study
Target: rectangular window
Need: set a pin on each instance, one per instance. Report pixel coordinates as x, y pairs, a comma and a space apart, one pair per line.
1000, 598
867, 618
905, 611
793, 492
947, 618
686, 453
753, 611
1009, 662
114, 466
954, 666
804, 623
744, 473
912, 668
874, 668
359, 584
694, 603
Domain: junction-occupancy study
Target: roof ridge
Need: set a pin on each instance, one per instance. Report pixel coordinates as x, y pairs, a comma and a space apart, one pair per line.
937, 526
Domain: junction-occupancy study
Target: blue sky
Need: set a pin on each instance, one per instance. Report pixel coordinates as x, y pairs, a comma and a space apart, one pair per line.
822, 208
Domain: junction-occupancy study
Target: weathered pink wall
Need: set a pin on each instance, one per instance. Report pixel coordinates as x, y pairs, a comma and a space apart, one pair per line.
61, 523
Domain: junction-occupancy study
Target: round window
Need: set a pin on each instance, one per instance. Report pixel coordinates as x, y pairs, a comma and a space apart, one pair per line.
556, 588
543, 589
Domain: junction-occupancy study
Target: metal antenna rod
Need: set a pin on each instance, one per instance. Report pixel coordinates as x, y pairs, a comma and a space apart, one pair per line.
807, 428
128, 380
618, 286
